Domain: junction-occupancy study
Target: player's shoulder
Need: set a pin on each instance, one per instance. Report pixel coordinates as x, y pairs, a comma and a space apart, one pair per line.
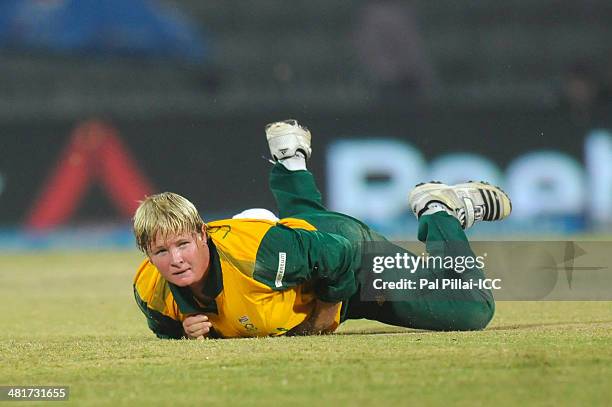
145, 270
153, 292
239, 224
295, 223
246, 239
237, 231
246, 222
148, 281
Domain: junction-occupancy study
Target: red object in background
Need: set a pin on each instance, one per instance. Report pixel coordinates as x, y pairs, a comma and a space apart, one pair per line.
94, 152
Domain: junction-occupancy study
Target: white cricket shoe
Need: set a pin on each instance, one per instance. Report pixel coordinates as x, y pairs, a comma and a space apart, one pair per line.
286, 138
469, 202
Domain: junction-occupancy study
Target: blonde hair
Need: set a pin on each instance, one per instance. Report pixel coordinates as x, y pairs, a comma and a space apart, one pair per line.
164, 214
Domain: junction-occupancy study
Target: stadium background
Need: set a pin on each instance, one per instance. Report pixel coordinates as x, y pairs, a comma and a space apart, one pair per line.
187, 87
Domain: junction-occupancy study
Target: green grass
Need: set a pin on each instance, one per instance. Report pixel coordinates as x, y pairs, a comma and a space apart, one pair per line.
69, 319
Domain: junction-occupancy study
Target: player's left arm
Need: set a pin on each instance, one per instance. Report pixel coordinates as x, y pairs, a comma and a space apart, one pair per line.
321, 321
289, 257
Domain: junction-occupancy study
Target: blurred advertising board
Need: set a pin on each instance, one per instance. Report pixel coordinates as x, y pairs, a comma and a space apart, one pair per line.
559, 176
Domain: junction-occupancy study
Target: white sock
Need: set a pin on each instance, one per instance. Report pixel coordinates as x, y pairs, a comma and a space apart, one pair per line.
294, 163
436, 207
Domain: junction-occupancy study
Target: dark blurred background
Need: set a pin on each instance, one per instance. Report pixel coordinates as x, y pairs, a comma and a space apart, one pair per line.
104, 102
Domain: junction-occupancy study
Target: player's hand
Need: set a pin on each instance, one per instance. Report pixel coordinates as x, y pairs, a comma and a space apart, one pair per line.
196, 326
321, 321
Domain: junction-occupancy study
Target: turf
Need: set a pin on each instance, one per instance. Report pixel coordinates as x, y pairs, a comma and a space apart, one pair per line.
69, 319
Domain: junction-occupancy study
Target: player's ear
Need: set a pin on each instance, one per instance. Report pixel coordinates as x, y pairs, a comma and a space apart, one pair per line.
202, 235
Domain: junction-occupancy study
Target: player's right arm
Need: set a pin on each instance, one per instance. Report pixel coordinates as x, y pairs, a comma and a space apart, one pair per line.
196, 326
155, 300
163, 326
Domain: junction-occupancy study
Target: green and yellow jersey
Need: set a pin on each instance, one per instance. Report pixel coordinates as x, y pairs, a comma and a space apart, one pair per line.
264, 278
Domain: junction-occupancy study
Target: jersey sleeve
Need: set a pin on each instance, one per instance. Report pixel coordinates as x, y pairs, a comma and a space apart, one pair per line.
289, 257
162, 325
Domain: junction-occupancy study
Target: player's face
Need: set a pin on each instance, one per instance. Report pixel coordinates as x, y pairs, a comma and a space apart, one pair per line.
181, 259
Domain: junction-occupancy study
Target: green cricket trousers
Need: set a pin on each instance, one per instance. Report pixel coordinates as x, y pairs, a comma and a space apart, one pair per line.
421, 307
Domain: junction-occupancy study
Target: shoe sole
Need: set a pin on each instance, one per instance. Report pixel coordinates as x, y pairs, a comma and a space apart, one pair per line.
288, 140
428, 187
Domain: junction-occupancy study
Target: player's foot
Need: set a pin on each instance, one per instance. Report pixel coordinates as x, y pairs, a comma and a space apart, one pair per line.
469, 202
288, 138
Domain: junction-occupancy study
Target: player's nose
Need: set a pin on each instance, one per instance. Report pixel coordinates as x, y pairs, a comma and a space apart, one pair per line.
176, 256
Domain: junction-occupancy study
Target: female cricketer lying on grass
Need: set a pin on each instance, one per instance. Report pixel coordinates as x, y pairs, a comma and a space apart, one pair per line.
301, 274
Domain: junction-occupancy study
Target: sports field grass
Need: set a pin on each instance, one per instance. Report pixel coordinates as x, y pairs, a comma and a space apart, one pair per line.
69, 319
